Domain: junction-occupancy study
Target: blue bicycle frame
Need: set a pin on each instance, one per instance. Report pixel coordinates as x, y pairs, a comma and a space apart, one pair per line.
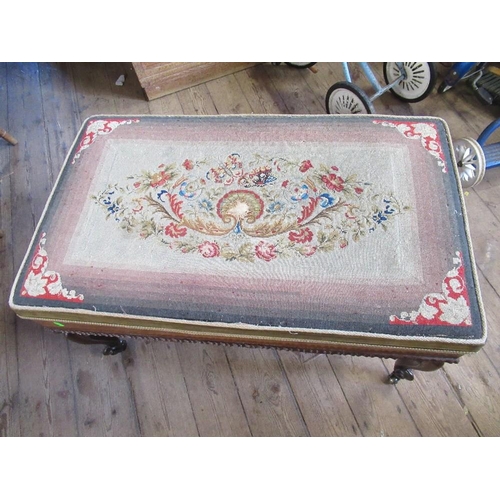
491, 151
373, 79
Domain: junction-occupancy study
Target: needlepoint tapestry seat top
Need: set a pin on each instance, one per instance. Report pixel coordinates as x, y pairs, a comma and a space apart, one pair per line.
293, 225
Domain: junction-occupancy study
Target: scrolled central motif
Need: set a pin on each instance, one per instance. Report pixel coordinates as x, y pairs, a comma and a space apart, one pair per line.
240, 206
270, 208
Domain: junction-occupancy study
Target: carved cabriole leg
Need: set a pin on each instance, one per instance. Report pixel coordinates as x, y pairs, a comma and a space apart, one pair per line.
403, 368
114, 345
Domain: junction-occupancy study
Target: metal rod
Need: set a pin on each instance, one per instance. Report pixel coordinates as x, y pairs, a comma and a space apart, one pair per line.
347, 75
485, 134
371, 77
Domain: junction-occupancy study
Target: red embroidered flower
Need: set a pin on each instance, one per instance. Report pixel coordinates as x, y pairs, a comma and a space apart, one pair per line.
305, 235
174, 231
333, 181
308, 250
88, 138
209, 249
285, 184
455, 286
358, 190
137, 184
336, 169
159, 179
39, 262
188, 165
265, 251
305, 166
343, 243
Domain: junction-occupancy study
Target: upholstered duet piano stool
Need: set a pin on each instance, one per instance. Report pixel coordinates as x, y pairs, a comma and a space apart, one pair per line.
339, 234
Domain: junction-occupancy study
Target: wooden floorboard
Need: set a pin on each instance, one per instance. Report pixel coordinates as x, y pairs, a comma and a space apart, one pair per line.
9, 422
51, 387
159, 390
268, 402
319, 395
40, 408
213, 392
377, 406
262, 97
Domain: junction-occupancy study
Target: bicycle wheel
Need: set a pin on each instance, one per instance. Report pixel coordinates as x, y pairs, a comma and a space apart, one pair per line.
302, 65
344, 98
471, 161
418, 84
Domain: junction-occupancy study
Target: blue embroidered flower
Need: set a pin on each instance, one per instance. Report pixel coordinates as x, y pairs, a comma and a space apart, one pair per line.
107, 201
388, 209
206, 205
326, 200
189, 190
161, 193
113, 210
379, 217
275, 207
301, 193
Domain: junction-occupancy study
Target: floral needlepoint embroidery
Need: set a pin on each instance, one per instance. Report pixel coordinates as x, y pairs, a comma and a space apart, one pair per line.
209, 249
96, 128
303, 236
305, 166
425, 132
265, 251
451, 307
249, 211
188, 165
41, 283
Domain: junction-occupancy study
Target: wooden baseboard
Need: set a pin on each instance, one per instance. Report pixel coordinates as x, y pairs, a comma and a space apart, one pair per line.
160, 79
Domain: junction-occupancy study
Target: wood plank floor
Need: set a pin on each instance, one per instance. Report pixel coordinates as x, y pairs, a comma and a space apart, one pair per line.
52, 387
